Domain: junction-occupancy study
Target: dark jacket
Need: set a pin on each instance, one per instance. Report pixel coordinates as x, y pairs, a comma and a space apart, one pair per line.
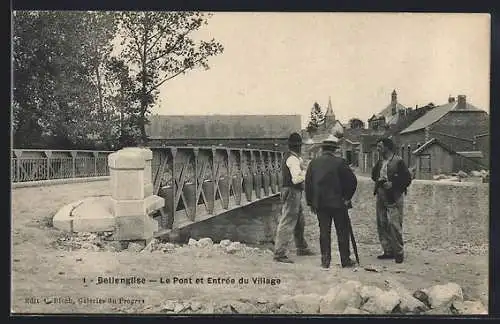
397, 173
286, 175
329, 182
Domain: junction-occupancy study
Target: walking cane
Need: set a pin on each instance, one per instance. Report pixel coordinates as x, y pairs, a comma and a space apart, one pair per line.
354, 245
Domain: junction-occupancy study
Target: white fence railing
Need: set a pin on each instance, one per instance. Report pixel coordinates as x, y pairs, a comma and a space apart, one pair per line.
35, 165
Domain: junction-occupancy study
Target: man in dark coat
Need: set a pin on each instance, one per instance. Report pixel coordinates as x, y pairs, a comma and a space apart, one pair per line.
392, 178
329, 187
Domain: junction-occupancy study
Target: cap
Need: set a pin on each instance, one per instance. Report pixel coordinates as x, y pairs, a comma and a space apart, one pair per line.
295, 139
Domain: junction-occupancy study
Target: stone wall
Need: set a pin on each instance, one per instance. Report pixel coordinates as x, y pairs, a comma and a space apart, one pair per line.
437, 214
254, 223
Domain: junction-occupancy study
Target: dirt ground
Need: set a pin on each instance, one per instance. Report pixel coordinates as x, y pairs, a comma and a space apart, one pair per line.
45, 279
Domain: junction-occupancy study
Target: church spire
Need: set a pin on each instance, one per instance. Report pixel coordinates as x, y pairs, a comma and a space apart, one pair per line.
329, 115
329, 109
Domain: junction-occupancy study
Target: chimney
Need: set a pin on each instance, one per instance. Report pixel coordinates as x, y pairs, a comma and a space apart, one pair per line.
451, 99
462, 104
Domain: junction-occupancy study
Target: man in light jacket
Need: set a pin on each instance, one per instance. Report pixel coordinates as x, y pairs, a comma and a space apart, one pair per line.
291, 221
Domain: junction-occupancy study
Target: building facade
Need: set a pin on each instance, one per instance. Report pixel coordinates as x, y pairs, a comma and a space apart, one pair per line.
458, 125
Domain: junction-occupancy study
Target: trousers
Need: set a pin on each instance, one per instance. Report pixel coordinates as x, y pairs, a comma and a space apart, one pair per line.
390, 225
291, 222
340, 219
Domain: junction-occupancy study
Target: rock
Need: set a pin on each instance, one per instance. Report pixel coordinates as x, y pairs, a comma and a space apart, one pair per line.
409, 304
338, 298
179, 307
475, 173
209, 308
195, 306
307, 303
287, 304
192, 242
422, 295
205, 242
224, 308
462, 174
169, 305
439, 177
372, 268
352, 310
383, 303
135, 246
114, 246
234, 247
468, 308
167, 247
444, 295
244, 308
441, 310
152, 245
224, 243
368, 292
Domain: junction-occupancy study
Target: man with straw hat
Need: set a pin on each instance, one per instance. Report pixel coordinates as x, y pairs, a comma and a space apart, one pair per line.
329, 187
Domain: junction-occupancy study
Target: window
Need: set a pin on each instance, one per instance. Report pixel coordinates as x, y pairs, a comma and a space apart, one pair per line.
425, 163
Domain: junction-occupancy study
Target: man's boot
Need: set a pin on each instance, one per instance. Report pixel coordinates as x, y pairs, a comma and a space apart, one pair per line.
325, 261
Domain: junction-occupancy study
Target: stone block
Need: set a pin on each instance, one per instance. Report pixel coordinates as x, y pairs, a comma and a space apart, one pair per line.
128, 207
153, 203
148, 189
136, 207
63, 220
124, 159
94, 223
127, 184
135, 228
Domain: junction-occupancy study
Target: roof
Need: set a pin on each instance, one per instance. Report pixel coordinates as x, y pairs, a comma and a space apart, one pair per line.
471, 154
435, 114
387, 113
429, 143
222, 126
353, 135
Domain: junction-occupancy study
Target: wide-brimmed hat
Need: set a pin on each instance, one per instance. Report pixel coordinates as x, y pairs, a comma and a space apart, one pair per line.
330, 141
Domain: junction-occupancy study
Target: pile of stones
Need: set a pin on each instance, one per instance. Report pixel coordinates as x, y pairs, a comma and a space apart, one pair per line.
460, 176
102, 242
224, 246
348, 297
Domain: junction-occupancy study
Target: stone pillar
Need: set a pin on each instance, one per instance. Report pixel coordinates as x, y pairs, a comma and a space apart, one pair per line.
131, 194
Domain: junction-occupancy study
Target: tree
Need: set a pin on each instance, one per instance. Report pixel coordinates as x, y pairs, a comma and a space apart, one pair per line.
316, 119
159, 46
356, 123
57, 89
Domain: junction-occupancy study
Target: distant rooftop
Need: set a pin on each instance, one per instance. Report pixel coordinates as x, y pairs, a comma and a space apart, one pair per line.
222, 126
436, 114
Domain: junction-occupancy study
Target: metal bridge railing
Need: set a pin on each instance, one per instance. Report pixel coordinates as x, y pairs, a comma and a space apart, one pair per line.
197, 182
35, 165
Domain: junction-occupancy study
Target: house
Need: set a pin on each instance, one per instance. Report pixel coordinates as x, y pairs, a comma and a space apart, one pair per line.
459, 125
390, 115
386, 123
434, 157
254, 131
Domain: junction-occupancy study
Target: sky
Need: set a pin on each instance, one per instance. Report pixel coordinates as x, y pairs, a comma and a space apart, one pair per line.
281, 63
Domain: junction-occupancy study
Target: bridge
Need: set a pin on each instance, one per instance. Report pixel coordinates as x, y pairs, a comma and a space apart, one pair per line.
224, 183
197, 183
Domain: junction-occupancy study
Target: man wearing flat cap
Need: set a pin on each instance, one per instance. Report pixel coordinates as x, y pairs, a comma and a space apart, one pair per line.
291, 222
329, 187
